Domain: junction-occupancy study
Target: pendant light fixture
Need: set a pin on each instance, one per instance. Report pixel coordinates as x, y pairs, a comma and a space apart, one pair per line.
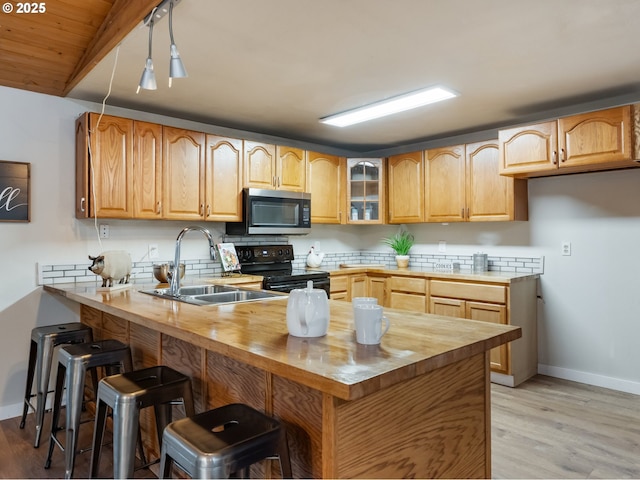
176, 68
148, 79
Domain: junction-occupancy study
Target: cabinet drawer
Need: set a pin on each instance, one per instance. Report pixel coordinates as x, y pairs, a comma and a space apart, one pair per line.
407, 301
339, 284
469, 291
406, 284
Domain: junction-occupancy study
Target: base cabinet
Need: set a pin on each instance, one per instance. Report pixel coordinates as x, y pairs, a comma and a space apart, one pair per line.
503, 304
407, 293
513, 304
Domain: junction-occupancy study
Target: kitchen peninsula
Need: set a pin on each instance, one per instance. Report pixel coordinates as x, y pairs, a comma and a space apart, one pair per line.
418, 405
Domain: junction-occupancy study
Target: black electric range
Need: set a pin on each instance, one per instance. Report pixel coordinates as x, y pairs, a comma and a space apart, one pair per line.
274, 264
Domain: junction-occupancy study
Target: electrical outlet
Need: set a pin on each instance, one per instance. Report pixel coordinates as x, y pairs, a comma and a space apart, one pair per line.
566, 249
104, 231
153, 251
442, 246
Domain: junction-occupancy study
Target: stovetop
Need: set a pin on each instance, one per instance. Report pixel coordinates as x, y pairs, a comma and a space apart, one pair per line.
273, 262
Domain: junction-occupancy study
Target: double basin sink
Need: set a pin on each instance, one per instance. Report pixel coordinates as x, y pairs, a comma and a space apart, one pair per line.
212, 294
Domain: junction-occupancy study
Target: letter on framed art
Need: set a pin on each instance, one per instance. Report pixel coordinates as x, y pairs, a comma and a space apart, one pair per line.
14, 191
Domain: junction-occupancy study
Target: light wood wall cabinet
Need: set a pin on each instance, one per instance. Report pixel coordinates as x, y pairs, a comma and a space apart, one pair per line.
365, 190
259, 165
445, 199
291, 169
274, 168
147, 170
463, 184
326, 181
489, 195
405, 180
184, 174
592, 141
223, 179
104, 159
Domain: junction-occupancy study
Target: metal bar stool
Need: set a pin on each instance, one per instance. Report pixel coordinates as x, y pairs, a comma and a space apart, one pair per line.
43, 342
74, 363
126, 395
222, 441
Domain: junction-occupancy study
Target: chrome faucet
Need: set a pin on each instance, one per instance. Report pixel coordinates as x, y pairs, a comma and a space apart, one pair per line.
174, 271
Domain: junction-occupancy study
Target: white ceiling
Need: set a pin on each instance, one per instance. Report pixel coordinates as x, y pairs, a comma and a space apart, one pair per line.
277, 66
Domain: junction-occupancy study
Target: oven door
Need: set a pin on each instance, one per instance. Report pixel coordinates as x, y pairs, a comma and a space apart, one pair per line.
286, 287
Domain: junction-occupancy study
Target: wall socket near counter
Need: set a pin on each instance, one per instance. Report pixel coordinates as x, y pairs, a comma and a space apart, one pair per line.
566, 249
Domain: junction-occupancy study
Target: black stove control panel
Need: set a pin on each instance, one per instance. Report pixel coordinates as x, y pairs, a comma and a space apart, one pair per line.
257, 254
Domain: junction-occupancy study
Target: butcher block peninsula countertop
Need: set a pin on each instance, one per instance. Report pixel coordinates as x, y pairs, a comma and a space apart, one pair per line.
416, 405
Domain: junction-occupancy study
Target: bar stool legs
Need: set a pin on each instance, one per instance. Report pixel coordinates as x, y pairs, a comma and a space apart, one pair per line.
43, 342
126, 395
75, 361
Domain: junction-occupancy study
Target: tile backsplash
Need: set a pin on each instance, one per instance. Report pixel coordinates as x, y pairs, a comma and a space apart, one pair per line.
141, 271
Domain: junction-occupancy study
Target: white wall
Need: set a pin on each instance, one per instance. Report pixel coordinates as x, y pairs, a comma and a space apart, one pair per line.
589, 323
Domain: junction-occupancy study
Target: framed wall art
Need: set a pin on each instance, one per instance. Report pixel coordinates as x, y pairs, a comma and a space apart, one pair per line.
15, 191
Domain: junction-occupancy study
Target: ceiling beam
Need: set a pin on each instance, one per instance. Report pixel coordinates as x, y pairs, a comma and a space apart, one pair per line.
121, 19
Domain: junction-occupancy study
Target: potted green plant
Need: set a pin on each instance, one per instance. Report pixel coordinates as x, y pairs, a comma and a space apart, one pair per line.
401, 243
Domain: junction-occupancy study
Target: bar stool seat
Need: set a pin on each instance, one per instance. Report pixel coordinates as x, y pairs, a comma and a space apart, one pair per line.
126, 394
222, 441
43, 341
74, 362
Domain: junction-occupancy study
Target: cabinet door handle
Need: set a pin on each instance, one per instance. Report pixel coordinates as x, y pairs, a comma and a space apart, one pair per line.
462, 212
278, 181
202, 209
273, 180
467, 213
563, 155
159, 207
208, 210
554, 157
82, 204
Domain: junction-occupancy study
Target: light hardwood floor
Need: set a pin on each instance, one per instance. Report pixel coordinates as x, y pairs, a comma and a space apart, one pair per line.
545, 428
552, 428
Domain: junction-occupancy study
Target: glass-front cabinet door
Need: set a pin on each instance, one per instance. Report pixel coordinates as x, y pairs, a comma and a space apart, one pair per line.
365, 190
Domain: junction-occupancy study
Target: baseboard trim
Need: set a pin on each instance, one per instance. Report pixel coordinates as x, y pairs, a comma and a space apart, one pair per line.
11, 411
590, 379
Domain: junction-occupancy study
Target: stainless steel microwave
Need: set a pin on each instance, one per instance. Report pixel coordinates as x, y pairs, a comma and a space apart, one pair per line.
273, 212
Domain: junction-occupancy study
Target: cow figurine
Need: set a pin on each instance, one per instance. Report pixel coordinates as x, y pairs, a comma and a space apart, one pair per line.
114, 265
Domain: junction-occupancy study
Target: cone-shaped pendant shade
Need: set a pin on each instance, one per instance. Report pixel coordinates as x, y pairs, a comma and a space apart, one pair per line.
176, 68
148, 79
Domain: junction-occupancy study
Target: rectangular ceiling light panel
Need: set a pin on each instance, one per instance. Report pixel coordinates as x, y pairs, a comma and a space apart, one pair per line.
390, 106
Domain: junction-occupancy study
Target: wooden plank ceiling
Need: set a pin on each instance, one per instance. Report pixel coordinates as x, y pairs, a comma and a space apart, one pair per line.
51, 52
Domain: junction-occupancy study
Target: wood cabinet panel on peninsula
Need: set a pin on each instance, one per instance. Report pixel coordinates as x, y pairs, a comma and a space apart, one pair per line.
591, 141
